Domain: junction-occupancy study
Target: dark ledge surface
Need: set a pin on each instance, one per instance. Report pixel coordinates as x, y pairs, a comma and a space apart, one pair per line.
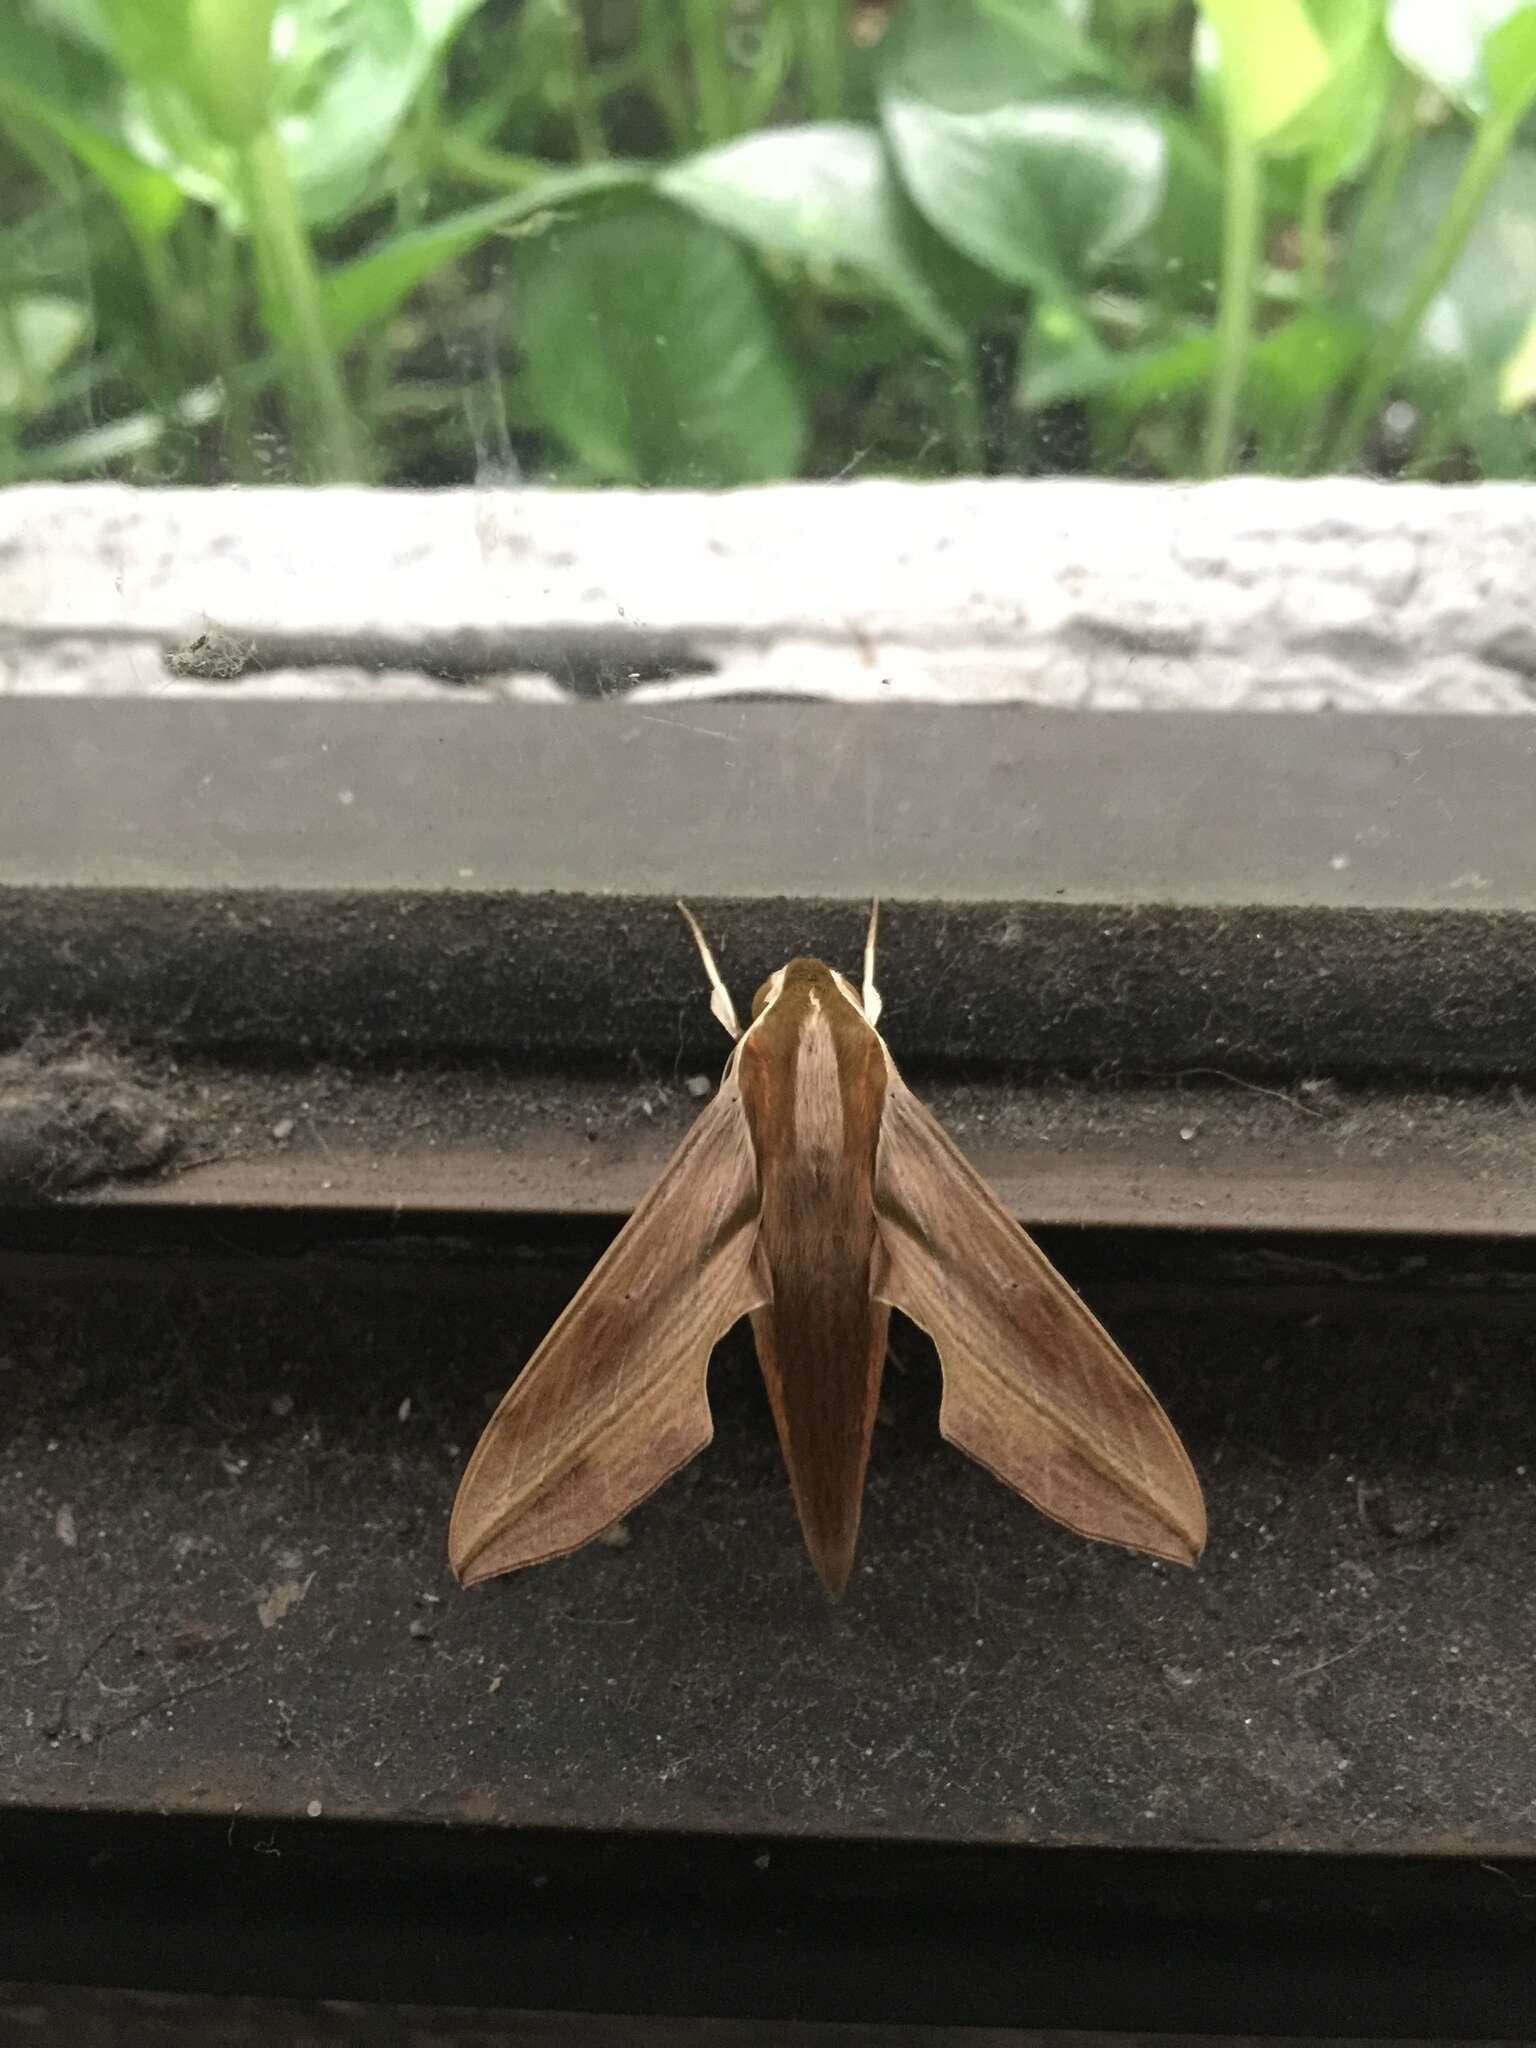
224, 1488
1093, 892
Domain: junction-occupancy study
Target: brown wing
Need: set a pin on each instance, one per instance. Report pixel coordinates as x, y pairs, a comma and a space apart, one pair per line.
1034, 1388
613, 1401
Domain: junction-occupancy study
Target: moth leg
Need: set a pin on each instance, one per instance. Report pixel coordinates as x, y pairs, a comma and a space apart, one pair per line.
872, 1002
721, 1006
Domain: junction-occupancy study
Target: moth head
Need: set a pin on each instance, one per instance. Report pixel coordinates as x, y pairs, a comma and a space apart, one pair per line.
805, 977
800, 976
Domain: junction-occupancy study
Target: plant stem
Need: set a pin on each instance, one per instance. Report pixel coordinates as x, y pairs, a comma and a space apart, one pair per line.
291, 283
1484, 159
512, 90
1313, 226
711, 77
375, 360
657, 50
1242, 226
30, 393
1375, 207
970, 439
759, 91
822, 34
477, 165
223, 277
1444, 429
584, 101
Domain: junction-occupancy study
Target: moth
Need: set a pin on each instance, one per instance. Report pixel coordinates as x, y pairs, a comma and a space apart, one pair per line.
814, 1194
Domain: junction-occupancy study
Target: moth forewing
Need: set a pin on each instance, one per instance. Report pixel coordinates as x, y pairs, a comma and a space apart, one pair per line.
1035, 1389
613, 1402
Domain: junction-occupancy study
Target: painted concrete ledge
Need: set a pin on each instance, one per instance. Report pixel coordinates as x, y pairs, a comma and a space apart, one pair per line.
1250, 594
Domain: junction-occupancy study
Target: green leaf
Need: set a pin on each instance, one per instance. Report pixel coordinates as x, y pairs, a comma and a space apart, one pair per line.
651, 349
38, 334
1063, 358
1509, 62
1479, 53
1288, 370
1517, 379
216, 54
1338, 126
1043, 193
1502, 444
823, 196
228, 66
85, 20
347, 88
372, 286
971, 55
1003, 147
1442, 40
1272, 62
66, 92
344, 75
148, 200
1183, 249
1333, 131
89, 453
1479, 318
1131, 16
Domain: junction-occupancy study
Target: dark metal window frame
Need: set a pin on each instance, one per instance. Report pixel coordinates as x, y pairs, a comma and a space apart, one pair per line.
1117, 906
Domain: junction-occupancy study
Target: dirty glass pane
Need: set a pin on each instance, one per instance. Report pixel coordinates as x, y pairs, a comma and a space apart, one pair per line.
683, 242
478, 474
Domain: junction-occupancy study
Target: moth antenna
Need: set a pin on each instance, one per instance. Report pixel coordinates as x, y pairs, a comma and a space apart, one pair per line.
720, 1002
872, 1002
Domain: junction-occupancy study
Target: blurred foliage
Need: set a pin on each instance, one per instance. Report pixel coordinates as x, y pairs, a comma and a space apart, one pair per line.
720, 241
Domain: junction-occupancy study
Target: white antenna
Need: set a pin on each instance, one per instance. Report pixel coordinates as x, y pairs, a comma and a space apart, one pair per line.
872, 1003
720, 998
